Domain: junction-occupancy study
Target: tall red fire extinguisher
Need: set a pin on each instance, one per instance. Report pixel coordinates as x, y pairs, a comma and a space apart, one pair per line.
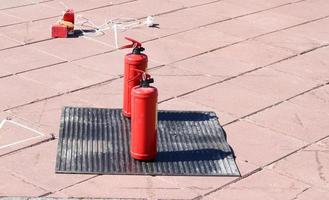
144, 118
135, 63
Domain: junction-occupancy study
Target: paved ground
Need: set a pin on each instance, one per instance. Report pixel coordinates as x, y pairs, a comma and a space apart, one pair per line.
261, 65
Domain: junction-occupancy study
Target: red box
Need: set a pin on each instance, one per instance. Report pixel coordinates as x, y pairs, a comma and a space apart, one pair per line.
58, 31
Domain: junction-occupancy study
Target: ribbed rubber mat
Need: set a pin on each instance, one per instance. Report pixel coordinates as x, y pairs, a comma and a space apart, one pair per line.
95, 140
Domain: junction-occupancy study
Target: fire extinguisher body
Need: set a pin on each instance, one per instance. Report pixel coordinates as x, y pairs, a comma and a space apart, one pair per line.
134, 64
143, 144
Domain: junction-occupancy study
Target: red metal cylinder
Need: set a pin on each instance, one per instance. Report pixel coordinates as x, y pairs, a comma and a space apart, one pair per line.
143, 145
134, 64
69, 16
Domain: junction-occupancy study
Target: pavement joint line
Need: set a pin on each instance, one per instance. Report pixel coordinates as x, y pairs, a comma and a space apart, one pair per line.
37, 68
184, 8
223, 20
25, 181
86, 10
261, 168
33, 69
288, 176
277, 103
21, 44
293, 26
25, 5
51, 138
72, 185
230, 183
298, 194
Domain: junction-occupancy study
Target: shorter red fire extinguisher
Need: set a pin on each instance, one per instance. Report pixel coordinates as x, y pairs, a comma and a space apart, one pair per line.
144, 118
135, 62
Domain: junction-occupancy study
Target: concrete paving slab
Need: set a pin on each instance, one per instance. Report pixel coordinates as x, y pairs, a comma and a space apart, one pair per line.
262, 185
36, 165
146, 8
16, 134
29, 59
229, 9
161, 50
46, 114
227, 98
191, 3
177, 21
293, 120
255, 53
12, 133
109, 63
199, 185
33, 12
29, 32
8, 20
257, 145
127, 187
108, 95
263, 80
183, 104
313, 193
83, 5
291, 41
18, 91
6, 43
239, 28
65, 77
307, 10
203, 185
271, 20
317, 30
71, 48
13, 182
313, 66
212, 40
258, 5
316, 100
314, 172
214, 65
166, 79
7, 4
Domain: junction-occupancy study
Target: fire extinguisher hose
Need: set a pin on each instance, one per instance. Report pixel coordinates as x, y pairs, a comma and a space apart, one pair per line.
140, 73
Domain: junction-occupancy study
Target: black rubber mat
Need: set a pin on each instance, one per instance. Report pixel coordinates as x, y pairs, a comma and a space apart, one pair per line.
95, 140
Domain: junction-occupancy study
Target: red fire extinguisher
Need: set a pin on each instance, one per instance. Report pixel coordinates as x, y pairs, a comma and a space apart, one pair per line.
134, 63
64, 27
143, 145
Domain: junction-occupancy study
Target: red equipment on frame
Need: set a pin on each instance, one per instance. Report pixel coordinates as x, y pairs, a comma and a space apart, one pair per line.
65, 26
144, 118
135, 63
